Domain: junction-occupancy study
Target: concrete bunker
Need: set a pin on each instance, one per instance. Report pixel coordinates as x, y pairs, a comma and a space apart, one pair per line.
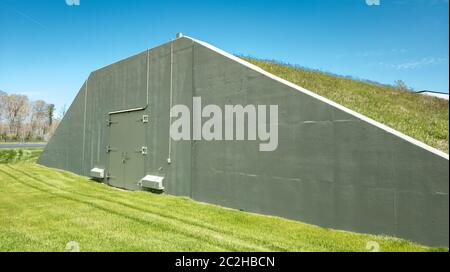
332, 167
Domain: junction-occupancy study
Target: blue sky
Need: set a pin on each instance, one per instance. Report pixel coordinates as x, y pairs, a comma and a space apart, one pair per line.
47, 48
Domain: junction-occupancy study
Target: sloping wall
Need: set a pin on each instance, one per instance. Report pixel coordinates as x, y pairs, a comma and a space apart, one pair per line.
333, 167
64, 150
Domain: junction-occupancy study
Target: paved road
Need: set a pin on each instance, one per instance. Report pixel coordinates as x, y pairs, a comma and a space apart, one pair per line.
21, 145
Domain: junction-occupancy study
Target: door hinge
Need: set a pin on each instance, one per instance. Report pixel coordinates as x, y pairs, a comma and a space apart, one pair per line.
109, 149
109, 123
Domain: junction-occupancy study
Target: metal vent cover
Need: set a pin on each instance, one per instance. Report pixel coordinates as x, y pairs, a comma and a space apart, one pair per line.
152, 182
97, 173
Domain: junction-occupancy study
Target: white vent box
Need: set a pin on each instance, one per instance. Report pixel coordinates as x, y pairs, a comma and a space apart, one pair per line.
98, 173
152, 182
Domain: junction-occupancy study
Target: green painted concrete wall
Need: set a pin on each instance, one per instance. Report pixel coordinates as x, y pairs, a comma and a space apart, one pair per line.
332, 168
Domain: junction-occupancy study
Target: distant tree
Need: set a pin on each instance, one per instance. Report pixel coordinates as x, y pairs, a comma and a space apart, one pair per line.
52, 129
2, 112
50, 114
16, 111
21, 119
38, 124
62, 111
401, 85
2, 105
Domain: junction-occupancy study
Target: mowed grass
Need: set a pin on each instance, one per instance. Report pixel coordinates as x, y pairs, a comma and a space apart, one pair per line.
421, 117
19, 155
42, 209
6, 143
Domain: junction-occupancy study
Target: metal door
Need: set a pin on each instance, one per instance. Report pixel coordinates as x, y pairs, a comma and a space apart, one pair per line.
127, 149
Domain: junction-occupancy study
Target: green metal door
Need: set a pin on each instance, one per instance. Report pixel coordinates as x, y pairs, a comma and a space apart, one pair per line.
127, 149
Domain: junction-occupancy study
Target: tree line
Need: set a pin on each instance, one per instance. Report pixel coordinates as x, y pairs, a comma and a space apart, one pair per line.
24, 120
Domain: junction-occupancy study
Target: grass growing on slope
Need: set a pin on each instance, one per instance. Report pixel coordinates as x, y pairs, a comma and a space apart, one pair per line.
421, 117
7, 143
43, 209
19, 155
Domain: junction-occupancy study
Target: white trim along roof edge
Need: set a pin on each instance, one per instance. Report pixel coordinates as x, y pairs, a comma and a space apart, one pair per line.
325, 100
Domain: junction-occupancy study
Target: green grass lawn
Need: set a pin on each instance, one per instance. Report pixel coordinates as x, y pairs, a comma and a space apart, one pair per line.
5, 143
421, 117
43, 209
19, 155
